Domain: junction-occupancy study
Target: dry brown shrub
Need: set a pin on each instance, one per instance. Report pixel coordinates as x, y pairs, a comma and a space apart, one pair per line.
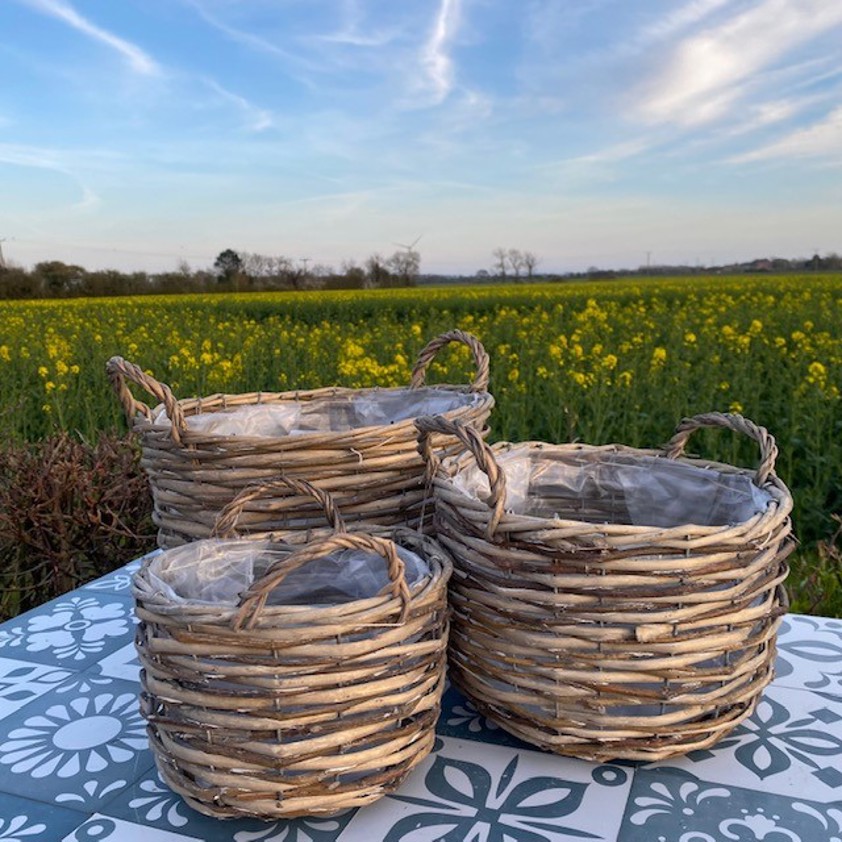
69, 511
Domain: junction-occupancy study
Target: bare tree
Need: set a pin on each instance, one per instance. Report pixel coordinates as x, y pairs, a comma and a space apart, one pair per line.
405, 265
530, 261
377, 273
501, 261
516, 262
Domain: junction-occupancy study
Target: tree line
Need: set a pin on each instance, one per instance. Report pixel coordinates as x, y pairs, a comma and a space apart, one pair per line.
232, 271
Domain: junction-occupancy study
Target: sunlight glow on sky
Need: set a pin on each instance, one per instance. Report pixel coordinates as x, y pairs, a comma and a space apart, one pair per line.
138, 133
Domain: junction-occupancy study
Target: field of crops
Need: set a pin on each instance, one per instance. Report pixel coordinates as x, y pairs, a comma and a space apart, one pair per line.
600, 362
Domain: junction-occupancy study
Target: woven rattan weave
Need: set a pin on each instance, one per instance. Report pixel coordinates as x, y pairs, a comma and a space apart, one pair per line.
374, 473
287, 710
591, 637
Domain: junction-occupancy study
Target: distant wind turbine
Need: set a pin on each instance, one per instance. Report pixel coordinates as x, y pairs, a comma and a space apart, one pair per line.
410, 247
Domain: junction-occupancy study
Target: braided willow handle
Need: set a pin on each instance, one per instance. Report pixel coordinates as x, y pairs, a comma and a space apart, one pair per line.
226, 521
121, 372
473, 441
768, 449
254, 599
426, 356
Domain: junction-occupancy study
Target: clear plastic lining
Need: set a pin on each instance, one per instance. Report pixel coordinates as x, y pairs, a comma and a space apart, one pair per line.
215, 572
331, 414
603, 487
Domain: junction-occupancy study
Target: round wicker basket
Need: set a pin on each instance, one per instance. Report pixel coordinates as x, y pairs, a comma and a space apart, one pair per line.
373, 472
276, 711
589, 636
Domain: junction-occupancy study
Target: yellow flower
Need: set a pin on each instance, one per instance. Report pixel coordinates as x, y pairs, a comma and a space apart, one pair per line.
659, 356
735, 407
690, 337
610, 361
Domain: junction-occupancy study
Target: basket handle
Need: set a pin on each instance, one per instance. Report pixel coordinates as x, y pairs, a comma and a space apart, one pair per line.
768, 449
121, 372
226, 521
480, 383
474, 442
253, 600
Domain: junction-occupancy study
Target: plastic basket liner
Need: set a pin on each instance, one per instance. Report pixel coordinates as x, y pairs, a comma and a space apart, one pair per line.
216, 572
330, 414
623, 488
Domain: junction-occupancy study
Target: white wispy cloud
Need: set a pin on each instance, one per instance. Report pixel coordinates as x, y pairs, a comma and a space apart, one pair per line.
435, 57
352, 31
247, 39
257, 119
708, 71
48, 159
823, 139
679, 19
138, 59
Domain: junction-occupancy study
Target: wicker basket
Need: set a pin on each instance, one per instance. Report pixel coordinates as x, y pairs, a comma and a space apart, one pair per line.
373, 472
272, 711
591, 637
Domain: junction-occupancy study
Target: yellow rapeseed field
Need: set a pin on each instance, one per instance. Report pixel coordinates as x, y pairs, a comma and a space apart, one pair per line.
610, 361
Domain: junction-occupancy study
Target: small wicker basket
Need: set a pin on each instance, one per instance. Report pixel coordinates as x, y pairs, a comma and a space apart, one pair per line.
589, 636
276, 711
373, 472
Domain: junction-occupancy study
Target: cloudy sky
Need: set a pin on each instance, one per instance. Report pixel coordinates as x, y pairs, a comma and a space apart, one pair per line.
138, 133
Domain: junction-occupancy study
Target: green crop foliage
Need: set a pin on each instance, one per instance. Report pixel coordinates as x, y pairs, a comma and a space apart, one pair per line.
598, 362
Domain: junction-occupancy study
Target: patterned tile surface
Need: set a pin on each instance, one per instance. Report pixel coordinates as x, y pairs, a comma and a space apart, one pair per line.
75, 764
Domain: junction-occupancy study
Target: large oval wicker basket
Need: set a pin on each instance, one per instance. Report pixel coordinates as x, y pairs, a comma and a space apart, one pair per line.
373, 471
275, 711
587, 632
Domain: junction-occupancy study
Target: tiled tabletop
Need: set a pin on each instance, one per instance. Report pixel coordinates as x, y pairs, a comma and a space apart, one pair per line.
75, 765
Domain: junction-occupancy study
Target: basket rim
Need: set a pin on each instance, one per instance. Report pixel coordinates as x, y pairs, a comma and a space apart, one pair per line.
441, 567
780, 505
220, 402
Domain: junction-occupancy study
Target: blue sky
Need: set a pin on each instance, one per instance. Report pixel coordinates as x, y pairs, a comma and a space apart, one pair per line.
138, 133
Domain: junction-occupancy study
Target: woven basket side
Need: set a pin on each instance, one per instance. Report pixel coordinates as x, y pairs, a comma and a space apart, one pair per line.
313, 710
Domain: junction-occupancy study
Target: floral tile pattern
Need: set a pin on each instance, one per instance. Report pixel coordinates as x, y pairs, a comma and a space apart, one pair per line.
77, 746
21, 682
22, 820
120, 581
101, 828
810, 654
791, 745
467, 791
152, 803
683, 807
72, 631
460, 718
123, 664
75, 764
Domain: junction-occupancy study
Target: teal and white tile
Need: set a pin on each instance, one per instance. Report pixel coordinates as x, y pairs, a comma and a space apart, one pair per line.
810, 654
791, 746
150, 802
680, 806
21, 682
73, 631
467, 790
76, 749
120, 581
123, 663
23, 820
460, 718
101, 828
